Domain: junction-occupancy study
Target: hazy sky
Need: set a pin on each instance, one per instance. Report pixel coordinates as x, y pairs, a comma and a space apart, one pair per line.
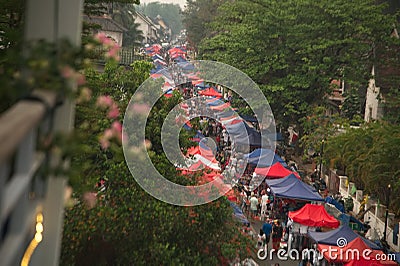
179, 2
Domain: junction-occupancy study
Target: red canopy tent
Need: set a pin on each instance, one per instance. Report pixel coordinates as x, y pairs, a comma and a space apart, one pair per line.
220, 107
195, 167
314, 215
355, 253
210, 92
196, 82
276, 170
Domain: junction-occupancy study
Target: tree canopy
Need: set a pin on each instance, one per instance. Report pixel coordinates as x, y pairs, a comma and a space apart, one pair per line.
370, 157
118, 222
293, 49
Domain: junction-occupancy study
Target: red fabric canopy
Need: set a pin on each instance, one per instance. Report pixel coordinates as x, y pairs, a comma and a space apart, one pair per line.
277, 170
314, 215
196, 82
355, 253
220, 107
210, 92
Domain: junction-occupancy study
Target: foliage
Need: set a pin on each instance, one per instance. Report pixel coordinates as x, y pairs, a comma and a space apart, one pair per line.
11, 36
123, 224
351, 105
318, 127
123, 13
293, 49
370, 156
392, 106
348, 204
170, 13
196, 16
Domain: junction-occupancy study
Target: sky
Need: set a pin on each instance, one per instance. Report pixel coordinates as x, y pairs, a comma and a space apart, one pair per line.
179, 2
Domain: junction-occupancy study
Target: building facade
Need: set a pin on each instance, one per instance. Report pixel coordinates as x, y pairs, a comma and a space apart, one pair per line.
149, 29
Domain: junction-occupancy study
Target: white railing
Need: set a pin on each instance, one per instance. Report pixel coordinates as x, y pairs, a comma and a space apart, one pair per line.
375, 217
21, 191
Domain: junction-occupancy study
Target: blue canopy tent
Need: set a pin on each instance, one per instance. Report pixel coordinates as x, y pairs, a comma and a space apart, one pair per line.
202, 86
352, 222
187, 127
186, 66
335, 203
242, 133
216, 102
249, 118
157, 56
264, 158
198, 137
277, 137
343, 231
239, 214
291, 187
155, 70
251, 137
226, 113
180, 59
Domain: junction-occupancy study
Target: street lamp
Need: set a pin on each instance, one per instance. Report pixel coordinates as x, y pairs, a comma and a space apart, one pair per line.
387, 212
320, 155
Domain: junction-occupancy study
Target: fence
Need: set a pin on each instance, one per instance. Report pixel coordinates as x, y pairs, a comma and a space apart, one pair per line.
375, 217
127, 56
22, 191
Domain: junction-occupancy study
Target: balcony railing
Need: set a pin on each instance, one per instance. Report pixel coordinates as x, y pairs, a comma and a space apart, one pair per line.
21, 189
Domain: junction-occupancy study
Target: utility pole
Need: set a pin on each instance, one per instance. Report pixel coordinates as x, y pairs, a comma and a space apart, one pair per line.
387, 212
320, 160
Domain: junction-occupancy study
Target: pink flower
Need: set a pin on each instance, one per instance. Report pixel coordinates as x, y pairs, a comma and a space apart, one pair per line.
113, 52
104, 101
80, 79
108, 42
67, 72
104, 143
114, 111
116, 126
117, 129
108, 133
100, 37
90, 199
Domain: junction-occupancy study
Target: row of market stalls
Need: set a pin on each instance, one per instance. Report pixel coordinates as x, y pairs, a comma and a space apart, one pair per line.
312, 225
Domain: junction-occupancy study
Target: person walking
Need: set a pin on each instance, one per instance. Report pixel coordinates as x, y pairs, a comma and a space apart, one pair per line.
267, 229
253, 205
277, 232
264, 202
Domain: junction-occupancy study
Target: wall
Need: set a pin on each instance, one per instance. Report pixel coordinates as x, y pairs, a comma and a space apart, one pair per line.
376, 216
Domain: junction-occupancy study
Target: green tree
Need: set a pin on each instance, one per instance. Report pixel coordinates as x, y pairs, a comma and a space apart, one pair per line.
127, 225
351, 105
369, 155
124, 14
293, 49
11, 44
196, 15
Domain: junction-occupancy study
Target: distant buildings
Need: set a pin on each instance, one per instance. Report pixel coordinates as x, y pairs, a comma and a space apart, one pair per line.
148, 27
385, 74
108, 26
335, 98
